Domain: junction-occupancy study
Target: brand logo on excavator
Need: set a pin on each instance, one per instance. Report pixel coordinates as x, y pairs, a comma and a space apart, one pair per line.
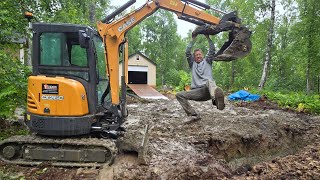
126, 24
50, 88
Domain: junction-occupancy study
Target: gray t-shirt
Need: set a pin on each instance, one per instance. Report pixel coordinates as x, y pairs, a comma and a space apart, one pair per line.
201, 72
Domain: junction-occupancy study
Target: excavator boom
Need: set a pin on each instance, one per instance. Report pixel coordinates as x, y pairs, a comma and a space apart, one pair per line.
192, 11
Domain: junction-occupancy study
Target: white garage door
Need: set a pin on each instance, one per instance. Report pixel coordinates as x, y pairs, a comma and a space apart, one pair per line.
138, 68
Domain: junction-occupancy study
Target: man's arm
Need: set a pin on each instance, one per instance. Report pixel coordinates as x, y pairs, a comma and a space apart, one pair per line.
189, 55
211, 52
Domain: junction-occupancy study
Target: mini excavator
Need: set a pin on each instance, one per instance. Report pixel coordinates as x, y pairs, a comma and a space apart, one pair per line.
74, 93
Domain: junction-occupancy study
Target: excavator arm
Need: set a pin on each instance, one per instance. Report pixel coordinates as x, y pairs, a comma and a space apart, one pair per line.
113, 32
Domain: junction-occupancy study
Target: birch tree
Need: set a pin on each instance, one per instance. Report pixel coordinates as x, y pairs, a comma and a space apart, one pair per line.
267, 59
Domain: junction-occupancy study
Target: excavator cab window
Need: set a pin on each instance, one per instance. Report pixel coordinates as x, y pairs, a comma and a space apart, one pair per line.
63, 50
103, 79
51, 49
78, 56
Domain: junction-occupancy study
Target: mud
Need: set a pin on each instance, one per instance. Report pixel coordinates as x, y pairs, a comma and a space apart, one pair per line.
243, 141
223, 144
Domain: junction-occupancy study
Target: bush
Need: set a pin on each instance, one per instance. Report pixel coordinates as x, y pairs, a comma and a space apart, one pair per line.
185, 79
172, 77
13, 84
298, 101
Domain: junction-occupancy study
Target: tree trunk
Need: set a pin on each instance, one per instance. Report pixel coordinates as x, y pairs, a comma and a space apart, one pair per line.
311, 51
92, 13
282, 73
233, 74
162, 79
308, 77
267, 60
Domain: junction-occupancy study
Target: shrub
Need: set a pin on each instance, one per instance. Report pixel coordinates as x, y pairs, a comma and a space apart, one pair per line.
298, 101
185, 79
13, 84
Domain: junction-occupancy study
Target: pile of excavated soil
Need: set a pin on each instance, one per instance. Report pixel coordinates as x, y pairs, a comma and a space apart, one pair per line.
223, 144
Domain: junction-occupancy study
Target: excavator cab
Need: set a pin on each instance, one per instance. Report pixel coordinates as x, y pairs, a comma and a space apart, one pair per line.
68, 91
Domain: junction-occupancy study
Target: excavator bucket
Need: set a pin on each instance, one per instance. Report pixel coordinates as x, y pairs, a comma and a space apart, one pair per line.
136, 140
238, 45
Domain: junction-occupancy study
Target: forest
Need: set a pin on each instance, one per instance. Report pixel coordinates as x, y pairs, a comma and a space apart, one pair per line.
283, 64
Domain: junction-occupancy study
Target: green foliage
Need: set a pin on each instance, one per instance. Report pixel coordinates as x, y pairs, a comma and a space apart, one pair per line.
185, 80
162, 44
297, 101
12, 21
13, 84
134, 40
295, 49
173, 78
10, 176
86, 12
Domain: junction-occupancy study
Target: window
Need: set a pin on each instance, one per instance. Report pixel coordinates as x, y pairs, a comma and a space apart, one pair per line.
101, 67
51, 51
63, 50
78, 56
101, 64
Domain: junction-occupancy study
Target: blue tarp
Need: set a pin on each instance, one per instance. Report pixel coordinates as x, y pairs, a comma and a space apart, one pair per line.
243, 95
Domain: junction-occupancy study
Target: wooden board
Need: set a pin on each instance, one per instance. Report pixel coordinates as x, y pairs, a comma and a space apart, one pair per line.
146, 91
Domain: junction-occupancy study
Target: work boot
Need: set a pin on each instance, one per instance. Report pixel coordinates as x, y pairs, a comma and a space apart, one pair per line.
218, 98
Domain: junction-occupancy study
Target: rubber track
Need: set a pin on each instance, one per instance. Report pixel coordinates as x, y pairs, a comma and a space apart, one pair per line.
34, 140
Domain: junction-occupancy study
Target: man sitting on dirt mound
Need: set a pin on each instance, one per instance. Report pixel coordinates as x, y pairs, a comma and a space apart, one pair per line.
203, 87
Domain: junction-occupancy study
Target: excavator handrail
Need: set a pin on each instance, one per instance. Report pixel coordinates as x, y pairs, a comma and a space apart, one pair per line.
118, 11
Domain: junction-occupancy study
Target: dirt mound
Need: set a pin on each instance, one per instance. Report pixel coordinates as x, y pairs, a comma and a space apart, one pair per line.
222, 144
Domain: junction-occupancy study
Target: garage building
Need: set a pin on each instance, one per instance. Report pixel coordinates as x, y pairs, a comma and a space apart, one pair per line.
141, 70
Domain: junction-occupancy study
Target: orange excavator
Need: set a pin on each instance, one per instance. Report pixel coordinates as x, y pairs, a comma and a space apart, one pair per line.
73, 92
